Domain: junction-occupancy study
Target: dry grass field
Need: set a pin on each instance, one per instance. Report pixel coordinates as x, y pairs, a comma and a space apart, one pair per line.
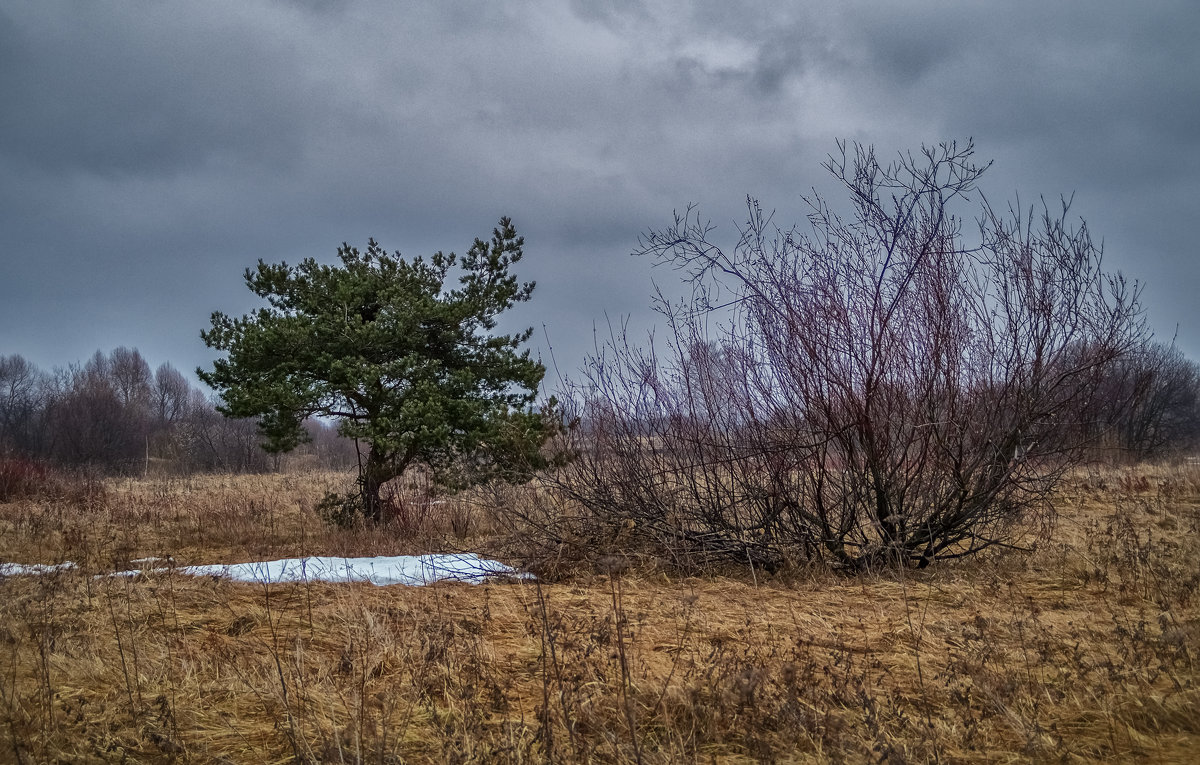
1084, 650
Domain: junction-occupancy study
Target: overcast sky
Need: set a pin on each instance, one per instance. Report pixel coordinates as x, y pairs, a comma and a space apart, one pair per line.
150, 151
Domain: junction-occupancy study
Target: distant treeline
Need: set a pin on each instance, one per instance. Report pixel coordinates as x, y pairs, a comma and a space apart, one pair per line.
1149, 407
114, 414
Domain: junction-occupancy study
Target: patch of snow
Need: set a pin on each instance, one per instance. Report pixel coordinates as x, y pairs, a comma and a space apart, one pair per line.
19, 569
381, 570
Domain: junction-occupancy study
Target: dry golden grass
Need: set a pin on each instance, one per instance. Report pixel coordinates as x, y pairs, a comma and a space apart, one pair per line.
1084, 650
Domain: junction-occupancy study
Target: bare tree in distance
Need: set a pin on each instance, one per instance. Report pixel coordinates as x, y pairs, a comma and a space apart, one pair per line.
881, 389
130, 378
171, 395
22, 397
1151, 404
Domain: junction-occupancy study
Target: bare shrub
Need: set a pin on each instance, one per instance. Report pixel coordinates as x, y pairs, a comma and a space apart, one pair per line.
21, 478
880, 390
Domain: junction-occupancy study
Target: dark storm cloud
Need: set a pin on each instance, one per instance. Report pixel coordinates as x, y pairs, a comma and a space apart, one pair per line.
150, 151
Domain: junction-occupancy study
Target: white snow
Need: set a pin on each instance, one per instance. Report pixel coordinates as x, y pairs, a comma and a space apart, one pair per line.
380, 570
17, 569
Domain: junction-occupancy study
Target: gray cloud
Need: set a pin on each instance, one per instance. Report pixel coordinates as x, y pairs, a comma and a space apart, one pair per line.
149, 152
152, 93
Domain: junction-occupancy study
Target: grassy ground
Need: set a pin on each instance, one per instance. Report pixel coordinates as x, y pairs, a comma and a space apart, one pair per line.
1084, 650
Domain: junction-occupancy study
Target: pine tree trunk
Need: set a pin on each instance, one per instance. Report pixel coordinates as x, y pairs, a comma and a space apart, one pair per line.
373, 477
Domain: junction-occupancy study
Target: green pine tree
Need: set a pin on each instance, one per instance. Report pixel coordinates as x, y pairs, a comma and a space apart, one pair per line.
410, 368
